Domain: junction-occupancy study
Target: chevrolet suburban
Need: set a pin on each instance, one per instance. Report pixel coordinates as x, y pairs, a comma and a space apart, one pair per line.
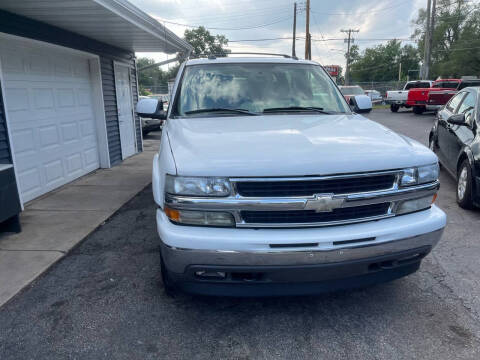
266, 183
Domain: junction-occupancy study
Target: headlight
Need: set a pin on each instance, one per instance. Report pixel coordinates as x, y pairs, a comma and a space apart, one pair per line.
197, 186
409, 206
419, 175
200, 218
428, 173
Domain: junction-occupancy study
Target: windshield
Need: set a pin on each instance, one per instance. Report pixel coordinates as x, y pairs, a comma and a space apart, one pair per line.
417, 85
255, 87
352, 90
446, 84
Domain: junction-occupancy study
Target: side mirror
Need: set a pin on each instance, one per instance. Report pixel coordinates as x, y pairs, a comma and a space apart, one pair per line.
457, 119
361, 103
151, 108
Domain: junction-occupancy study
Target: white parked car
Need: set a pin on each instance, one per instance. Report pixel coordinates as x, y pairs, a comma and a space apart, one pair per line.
398, 98
374, 95
356, 98
266, 183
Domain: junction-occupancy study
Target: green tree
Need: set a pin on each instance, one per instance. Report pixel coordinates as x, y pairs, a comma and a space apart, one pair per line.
382, 62
456, 38
205, 43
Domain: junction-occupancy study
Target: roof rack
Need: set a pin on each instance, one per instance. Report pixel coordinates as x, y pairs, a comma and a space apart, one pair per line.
214, 56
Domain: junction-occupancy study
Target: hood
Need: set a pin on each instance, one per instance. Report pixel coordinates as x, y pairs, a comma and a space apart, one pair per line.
289, 145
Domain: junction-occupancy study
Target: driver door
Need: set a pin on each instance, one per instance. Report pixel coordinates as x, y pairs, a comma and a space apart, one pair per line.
463, 135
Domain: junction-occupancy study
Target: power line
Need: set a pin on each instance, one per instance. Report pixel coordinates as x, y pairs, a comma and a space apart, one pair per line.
268, 39
230, 29
318, 40
365, 39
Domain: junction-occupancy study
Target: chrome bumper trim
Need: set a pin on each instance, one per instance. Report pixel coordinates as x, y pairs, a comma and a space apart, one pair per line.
178, 259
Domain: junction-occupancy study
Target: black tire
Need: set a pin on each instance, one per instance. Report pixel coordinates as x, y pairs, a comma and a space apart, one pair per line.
168, 284
418, 110
394, 108
465, 201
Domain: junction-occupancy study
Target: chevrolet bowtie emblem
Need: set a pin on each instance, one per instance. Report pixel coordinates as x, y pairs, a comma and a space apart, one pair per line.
324, 203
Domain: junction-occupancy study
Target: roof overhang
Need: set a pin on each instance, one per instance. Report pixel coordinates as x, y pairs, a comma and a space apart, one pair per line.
114, 22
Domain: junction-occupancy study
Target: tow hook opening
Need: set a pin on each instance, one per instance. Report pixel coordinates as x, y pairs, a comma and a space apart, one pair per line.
247, 276
232, 276
390, 264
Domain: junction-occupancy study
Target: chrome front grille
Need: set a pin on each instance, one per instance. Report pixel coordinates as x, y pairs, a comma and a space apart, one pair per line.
307, 187
298, 202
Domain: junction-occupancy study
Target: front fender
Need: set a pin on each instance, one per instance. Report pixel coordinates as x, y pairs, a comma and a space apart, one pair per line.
163, 163
471, 160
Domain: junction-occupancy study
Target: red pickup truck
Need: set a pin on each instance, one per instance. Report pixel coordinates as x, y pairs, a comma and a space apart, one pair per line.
440, 98
418, 98
438, 95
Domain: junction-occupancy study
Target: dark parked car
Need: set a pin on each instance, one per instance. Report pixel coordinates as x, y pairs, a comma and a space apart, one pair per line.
455, 139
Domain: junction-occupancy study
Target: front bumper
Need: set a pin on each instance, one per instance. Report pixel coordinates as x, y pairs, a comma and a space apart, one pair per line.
331, 257
299, 279
179, 260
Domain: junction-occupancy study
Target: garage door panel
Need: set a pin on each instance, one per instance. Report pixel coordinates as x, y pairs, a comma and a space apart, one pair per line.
39, 65
48, 136
65, 98
91, 158
43, 98
25, 141
74, 164
30, 182
49, 102
18, 100
69, 132
54, 173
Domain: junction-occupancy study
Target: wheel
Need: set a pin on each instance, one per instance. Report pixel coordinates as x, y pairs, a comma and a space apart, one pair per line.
464, 186
394, 107
418, 110
168, 284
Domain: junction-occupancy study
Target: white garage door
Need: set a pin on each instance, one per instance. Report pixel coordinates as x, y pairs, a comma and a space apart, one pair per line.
48, 95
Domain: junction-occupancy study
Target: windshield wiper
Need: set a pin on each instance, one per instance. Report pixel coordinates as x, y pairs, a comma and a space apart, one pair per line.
297, 108
237, 111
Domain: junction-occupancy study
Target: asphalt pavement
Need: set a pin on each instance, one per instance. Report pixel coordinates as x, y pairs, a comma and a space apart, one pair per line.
105, 301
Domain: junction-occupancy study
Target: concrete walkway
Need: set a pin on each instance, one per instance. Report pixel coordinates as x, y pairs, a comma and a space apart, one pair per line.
56, 222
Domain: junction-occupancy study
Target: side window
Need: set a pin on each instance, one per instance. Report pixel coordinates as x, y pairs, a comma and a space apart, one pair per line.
454, 101
468, 107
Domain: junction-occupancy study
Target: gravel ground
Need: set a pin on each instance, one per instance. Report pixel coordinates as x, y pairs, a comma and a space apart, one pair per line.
105, 300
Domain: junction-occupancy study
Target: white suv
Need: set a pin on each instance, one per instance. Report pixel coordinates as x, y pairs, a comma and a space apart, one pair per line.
266, 183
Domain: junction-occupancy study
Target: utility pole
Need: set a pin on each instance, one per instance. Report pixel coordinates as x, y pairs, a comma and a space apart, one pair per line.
308, 48
426, 53
348, 41
294, 28
430, 38
400, 71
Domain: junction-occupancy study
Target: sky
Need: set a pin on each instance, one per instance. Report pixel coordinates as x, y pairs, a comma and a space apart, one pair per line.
241, 20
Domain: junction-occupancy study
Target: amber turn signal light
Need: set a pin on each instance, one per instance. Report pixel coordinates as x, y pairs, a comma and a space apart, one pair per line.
172, 214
